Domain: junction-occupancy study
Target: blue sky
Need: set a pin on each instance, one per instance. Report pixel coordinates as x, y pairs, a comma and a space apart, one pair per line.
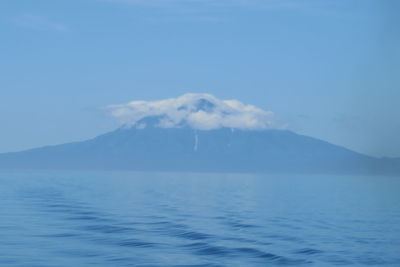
329, 69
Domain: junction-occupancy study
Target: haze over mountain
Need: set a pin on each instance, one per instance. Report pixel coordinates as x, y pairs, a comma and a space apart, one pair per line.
198, 132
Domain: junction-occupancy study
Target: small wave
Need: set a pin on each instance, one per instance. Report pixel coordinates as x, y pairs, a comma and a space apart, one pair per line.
203, 248
79, 253
61, 235
281, 260
284, 238
134, 243
241, 225
213, 250
191, 235
308, 251
106, 229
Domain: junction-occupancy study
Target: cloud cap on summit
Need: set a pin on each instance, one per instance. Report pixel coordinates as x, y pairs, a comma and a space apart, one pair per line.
199, 111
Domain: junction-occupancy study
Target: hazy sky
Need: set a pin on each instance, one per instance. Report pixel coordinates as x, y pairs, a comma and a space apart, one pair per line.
329, 69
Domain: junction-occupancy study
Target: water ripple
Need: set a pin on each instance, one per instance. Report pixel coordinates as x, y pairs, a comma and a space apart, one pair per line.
205, 221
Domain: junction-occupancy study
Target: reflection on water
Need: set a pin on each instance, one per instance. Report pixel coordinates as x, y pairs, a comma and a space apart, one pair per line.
154, 219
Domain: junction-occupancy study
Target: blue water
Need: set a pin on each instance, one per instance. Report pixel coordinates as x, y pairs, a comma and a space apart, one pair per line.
56, 218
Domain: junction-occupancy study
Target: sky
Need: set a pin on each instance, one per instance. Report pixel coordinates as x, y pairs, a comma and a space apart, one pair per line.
327, 69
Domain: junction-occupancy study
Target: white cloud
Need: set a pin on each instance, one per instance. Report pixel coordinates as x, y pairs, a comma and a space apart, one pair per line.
199, 111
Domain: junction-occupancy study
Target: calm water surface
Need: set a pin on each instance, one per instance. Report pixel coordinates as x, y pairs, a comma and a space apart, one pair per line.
164, 219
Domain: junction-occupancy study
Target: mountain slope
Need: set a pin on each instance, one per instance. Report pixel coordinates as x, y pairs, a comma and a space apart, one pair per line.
185, 149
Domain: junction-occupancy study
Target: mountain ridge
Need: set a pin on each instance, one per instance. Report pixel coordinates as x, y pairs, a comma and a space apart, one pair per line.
187, 149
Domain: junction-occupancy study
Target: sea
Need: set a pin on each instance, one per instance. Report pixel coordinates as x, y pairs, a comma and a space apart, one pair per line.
148, 219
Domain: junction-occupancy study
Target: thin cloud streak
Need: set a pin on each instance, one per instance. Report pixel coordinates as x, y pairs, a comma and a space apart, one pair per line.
39, 23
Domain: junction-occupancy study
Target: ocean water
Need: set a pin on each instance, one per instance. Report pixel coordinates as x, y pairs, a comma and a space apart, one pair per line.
65, 218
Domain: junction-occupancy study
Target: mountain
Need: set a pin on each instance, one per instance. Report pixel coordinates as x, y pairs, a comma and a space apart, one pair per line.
200, 133
186, 149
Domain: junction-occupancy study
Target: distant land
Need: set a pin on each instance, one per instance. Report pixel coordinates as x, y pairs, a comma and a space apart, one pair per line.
218, 137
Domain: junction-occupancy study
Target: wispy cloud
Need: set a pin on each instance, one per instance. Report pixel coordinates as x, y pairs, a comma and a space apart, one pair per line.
209, 11
38, 23
216, 3
216, 10
199, 111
